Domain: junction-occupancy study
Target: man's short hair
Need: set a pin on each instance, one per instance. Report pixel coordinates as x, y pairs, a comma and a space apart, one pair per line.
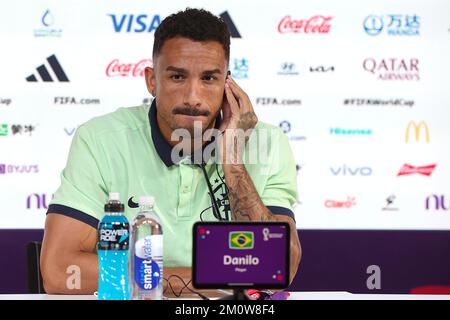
195, 24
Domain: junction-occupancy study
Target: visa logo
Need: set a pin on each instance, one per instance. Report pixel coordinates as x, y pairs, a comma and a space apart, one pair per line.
135, 23
348, 171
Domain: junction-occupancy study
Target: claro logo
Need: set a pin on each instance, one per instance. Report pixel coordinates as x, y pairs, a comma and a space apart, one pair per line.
417, 129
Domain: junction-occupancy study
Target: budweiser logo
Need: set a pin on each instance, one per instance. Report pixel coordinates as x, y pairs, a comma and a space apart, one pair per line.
409, 169
316, 24
117, 69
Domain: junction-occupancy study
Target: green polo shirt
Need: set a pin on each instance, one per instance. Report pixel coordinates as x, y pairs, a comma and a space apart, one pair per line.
125, 152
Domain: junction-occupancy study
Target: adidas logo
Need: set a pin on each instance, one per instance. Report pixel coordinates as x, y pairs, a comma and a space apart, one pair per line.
231, 26
44, 73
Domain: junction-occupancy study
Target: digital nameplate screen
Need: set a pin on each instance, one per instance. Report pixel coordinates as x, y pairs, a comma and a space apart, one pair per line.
241, 255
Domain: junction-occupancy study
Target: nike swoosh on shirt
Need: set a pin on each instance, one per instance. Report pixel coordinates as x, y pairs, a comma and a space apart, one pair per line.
132, 204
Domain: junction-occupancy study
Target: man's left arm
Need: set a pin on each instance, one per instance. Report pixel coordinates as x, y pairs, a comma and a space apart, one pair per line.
245, 202
246, 205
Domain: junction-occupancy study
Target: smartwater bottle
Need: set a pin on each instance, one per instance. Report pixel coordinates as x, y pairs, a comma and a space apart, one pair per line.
146, 253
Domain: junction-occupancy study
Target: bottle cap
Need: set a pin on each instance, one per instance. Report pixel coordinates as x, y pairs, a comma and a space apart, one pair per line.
147, 200
113, 204
114, 196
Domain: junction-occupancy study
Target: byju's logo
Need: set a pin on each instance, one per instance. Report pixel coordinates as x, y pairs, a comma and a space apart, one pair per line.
288, 69
345, 170
241, 240
44, 73
408, 169
393, 24
135, 23
12, 168
48, 29
417, 127
230, 24
440, 202
393, 69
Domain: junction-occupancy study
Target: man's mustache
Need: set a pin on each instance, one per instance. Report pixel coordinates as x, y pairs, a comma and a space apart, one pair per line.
190, 111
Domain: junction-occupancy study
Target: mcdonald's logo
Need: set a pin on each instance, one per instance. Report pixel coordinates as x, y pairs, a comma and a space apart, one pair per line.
417, 130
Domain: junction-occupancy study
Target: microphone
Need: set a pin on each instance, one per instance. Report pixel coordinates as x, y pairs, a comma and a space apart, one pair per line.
215, 206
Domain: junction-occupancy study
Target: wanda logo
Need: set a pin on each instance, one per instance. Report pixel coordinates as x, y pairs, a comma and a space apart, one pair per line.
316, 24
118, 69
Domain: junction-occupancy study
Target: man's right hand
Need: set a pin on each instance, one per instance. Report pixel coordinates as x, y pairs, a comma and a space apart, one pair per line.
69, 247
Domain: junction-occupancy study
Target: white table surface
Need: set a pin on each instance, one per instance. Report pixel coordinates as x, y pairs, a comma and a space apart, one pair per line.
323, 295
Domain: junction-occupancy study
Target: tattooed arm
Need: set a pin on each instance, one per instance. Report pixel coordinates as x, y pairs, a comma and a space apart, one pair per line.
246, 205
245, 202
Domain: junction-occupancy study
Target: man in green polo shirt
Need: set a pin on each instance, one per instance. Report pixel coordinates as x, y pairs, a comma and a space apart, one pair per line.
201, 125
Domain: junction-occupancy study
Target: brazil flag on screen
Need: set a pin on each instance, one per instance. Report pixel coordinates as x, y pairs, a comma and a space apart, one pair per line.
241, 240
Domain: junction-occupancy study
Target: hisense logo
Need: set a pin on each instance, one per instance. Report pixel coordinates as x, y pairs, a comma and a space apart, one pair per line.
350, 132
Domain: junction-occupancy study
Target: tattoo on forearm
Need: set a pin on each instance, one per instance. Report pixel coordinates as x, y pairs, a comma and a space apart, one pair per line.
245, 202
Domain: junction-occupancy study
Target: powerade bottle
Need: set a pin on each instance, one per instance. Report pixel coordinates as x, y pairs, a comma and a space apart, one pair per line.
147, 253
112, 250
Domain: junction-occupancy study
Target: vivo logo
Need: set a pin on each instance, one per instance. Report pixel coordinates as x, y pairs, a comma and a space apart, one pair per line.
37, 201
348, 171
440, 202
135, 23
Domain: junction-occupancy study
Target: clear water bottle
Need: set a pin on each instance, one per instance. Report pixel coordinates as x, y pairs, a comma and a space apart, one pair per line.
146, 253
112, 250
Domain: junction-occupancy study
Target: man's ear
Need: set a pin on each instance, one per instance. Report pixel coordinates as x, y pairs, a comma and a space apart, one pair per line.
150, 80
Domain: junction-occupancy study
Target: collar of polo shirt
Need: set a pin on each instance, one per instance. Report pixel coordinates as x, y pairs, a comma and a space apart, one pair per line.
163, 148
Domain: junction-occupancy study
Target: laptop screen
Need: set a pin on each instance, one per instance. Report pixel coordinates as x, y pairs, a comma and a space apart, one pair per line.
241, 255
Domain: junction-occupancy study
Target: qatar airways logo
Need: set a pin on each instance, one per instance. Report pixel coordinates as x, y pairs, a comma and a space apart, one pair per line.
117, 68
315, 24
423, 170
393, 69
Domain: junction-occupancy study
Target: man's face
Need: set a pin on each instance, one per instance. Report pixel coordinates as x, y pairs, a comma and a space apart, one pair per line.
188, 79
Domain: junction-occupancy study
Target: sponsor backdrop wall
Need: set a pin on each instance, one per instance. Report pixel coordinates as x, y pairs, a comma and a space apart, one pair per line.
361, 88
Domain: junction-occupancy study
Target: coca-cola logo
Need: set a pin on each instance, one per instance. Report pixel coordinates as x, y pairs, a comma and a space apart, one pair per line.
316, 24
117, 69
